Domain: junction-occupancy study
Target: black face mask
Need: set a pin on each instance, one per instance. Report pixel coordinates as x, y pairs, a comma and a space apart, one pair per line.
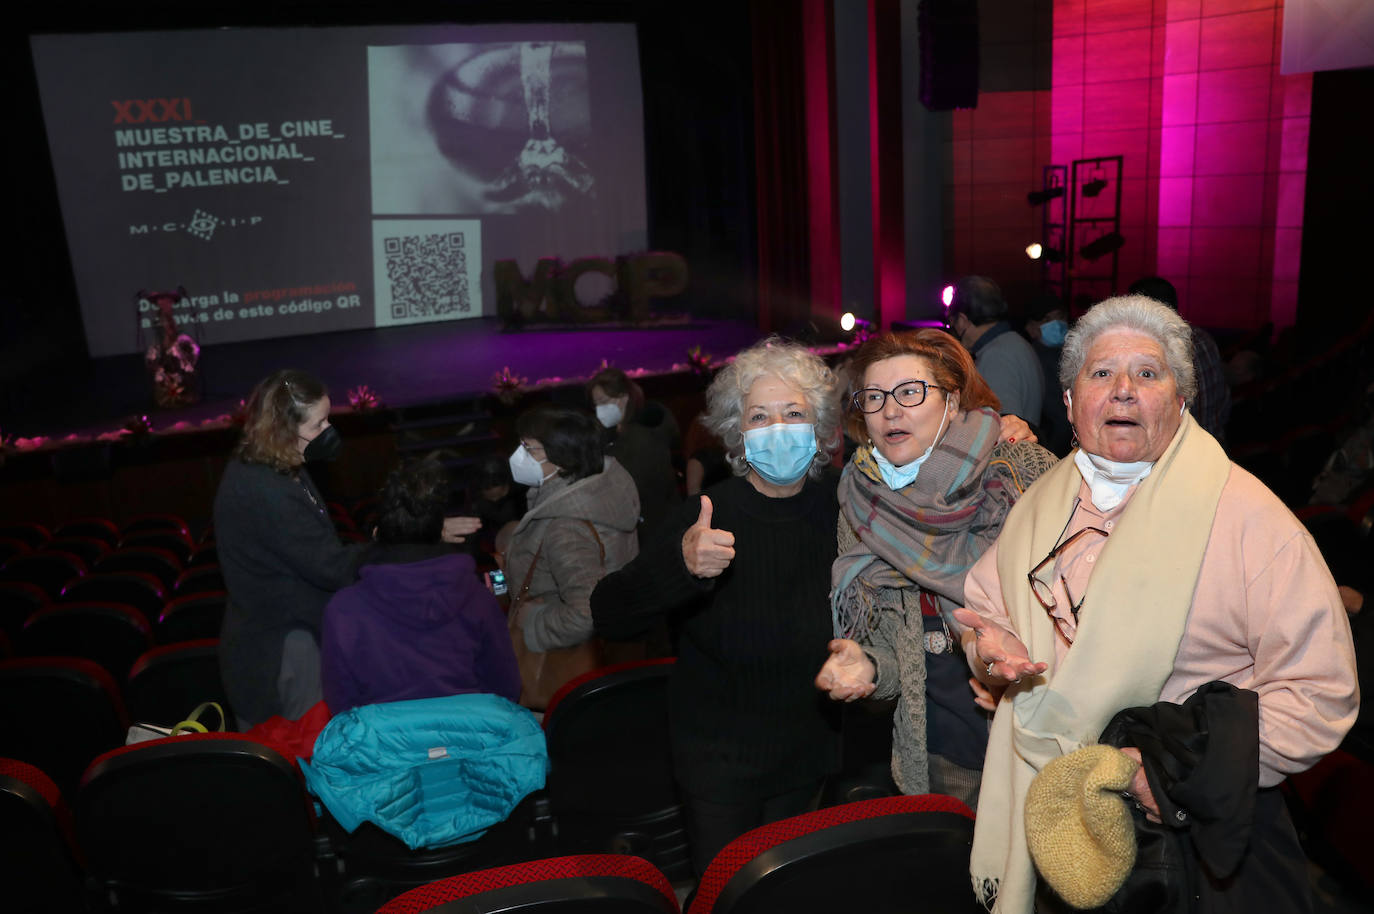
324, 446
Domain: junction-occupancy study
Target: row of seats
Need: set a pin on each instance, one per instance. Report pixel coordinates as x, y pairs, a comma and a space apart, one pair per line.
154, 837
220, 822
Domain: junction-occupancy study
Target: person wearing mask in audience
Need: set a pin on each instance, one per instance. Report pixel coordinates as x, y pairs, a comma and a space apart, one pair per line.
744, 571
1212, 405
278, 549
1047, 327
580, 525
978, 317
641, 437
1145, 573
420, 622
920, 501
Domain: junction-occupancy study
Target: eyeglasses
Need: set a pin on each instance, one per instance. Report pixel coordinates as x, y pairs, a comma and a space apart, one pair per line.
907, 393
1044, 592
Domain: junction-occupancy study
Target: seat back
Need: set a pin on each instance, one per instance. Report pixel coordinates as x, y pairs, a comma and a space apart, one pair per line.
199, 579
34, 535
58, 713
111, 634
159, 523
610, 883
191, 617
161, 564
191, 821
611, 778
94, 527
38, 864
132, 588
88, 549
174, 541
168, 682
48, 570
877, 856
18, 601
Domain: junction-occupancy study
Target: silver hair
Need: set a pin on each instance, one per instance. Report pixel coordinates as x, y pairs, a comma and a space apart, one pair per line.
1144, 315
795, 366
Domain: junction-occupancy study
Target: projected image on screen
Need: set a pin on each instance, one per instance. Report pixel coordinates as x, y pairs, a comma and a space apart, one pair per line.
491, 128
308, 180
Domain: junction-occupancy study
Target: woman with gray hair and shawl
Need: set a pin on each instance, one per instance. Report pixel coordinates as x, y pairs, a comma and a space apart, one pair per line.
1137, 572
744, 571
919, 502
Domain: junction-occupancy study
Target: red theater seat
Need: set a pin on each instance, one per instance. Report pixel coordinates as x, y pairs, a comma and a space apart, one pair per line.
886, 855
559, 885
38, 862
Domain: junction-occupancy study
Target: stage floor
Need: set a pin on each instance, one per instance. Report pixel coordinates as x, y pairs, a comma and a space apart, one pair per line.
405, 366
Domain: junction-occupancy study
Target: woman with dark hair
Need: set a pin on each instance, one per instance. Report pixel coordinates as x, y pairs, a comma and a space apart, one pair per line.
418, 623
642, 437
920, 501
583, 512
280, 553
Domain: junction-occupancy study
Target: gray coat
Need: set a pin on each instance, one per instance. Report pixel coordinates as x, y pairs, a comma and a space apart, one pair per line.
558, 528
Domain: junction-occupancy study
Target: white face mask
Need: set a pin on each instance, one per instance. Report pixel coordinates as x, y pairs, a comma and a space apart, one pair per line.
1108, 479
899, 477
525, 470
609, 414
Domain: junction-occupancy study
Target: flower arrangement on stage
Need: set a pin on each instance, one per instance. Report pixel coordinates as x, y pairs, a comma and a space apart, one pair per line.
363, 398
171, 358
508, 385
698, 361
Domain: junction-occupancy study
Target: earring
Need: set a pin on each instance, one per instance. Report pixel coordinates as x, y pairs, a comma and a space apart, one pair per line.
1073, 439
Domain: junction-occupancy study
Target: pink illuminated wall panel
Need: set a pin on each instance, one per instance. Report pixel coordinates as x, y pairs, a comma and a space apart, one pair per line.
1213, 140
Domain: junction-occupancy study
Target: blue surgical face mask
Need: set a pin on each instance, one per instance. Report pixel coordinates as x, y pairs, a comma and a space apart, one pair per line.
1052, 332
899, 477
781, 453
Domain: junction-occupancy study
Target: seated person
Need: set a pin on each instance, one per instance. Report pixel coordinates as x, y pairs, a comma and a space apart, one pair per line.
419, 623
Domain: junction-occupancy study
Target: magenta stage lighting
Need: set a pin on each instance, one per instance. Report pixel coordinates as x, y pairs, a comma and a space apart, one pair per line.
947, 296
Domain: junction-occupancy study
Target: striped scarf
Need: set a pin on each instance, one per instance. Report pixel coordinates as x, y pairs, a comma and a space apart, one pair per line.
926, 535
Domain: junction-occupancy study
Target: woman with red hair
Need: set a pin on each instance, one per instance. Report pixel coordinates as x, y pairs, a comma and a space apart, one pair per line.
922, 498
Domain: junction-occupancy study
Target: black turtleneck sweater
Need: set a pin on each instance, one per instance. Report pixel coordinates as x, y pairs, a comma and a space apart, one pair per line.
747, 720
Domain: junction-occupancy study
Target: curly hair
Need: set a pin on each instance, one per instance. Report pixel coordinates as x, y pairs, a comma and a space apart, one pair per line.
951, 369
413, 502
795, 366
276, 409
1143, 315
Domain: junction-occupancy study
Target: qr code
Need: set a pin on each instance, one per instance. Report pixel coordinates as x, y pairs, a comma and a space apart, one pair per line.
428, 275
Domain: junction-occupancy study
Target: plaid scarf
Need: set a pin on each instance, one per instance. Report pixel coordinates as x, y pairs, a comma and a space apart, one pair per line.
926, 535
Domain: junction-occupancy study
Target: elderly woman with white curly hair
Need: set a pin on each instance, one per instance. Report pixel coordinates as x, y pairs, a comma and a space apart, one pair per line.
1143, 577
745, 571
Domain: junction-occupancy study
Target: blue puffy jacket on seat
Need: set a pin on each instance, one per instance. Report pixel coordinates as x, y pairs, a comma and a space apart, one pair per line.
433, 771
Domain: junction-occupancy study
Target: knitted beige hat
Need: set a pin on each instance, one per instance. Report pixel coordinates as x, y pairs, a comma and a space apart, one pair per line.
1078, 827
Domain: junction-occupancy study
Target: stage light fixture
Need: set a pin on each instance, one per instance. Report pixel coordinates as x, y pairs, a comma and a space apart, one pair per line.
1038, 251
847, 321
947, 296
1033, 250
1094, 187
1036, 197
1101, 246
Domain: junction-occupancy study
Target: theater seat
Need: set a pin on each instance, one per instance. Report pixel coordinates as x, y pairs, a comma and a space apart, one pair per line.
206, 822
132, 588
38, 862
34, 535
111, 634
59, 713
191, 617
93, 527
199, 579
159, 563
144, 523
167, 683
882, 856
174, 541
18, 601
585, 884
611, 776
49, 571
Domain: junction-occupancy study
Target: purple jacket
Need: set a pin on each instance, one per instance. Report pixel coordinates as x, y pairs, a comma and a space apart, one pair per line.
421, 629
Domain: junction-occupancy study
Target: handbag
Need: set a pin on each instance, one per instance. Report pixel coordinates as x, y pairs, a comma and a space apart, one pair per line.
142, 733
542, 673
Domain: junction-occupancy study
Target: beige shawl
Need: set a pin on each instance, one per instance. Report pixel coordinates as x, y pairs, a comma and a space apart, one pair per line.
1135, 608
